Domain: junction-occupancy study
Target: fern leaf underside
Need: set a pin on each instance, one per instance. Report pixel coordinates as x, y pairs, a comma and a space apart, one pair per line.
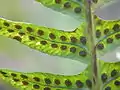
107, 35
68, 7
107, 32
109, 77
65, 44
47, 40
43, 81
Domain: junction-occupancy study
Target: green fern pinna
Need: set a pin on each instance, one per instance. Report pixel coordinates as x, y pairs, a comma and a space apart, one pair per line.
77, 45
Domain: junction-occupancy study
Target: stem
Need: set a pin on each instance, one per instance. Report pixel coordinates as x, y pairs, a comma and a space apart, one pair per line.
90, 33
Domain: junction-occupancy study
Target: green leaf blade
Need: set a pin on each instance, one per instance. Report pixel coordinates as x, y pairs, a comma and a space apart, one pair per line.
47, 40
108, 35
67, 7
40, 81
114, 84
109, 73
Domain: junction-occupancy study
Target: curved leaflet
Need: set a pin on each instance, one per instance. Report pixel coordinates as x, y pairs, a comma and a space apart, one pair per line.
44, 81
68, 7
51, 41
110, 75
108, 35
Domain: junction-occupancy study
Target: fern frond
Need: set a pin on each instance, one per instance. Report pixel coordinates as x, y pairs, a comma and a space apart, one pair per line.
47, 40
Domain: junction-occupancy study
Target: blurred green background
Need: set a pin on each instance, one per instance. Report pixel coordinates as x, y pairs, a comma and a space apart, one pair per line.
16, 56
